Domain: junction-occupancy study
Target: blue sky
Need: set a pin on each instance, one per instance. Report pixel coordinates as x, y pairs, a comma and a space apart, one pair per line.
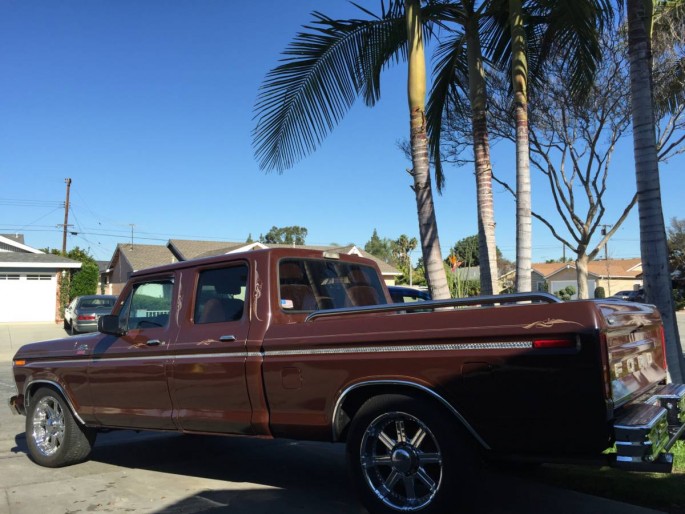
148, 107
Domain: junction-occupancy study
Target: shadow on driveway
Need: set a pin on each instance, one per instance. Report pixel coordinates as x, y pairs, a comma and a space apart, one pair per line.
287, 477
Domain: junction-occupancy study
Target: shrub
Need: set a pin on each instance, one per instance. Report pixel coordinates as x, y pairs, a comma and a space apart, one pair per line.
85, 280
600, 293
566, 293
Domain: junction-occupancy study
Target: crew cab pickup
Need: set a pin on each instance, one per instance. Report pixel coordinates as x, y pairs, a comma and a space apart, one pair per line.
308, 345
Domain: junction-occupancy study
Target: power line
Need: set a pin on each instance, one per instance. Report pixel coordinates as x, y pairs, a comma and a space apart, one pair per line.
14, 202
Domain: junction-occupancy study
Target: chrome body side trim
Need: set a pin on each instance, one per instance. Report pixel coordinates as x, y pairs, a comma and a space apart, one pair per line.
404, 383
495, 345
61, 391
512, 345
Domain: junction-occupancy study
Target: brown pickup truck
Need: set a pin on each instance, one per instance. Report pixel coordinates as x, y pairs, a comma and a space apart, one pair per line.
308, 345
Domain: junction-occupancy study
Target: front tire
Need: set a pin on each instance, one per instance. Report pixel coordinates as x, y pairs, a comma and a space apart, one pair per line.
54, 437
407, 455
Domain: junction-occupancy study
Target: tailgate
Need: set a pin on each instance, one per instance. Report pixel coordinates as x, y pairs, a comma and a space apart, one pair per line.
635, 347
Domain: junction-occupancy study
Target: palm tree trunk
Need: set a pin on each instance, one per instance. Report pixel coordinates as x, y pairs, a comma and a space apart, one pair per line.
653, 246
519, 80
487, 248
416, 85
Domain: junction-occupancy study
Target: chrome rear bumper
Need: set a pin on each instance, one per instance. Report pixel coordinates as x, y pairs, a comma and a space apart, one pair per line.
648, 429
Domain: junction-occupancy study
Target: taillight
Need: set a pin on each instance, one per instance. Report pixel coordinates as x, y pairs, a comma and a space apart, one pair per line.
554, 343
86, 317
663, 345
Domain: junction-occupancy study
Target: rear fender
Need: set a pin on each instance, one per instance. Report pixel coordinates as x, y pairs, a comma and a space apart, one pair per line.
354, 395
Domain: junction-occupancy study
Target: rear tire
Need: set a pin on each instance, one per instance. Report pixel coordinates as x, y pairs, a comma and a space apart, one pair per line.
54, 437
408, 455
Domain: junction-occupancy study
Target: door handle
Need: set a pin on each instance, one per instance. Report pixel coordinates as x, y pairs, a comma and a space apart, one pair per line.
227, 339
153, 342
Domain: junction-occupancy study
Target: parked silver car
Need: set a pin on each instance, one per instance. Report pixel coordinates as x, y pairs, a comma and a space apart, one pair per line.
82, 314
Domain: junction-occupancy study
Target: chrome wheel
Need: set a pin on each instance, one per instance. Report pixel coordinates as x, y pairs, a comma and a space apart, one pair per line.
48, 425
401, 461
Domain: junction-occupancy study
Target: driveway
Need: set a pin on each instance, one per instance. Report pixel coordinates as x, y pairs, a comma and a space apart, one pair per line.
171, 473
13, 335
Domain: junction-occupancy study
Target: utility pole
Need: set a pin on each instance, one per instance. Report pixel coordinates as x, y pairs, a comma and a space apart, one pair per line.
606, 258
66, 218
132, 225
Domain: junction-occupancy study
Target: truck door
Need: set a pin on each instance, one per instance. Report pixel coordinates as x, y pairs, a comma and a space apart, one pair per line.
207, 380
127, 374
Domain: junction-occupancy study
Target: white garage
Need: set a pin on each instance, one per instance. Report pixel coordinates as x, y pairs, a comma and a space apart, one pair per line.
29, 288
27, 297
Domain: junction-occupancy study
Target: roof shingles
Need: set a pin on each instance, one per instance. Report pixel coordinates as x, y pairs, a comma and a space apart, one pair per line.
146, 256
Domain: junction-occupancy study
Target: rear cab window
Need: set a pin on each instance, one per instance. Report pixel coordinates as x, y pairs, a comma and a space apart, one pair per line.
306, 285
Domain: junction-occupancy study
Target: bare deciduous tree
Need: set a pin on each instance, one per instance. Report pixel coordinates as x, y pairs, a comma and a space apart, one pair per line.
572, 142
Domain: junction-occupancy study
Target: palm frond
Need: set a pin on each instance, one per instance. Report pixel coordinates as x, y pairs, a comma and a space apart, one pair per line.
323, 71
669, 14
555, 29
668, 47
496, 37
450, 87
669, 83
573, 35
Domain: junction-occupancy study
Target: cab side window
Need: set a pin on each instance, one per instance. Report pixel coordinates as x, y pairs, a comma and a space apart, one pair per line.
220, 295
148, 305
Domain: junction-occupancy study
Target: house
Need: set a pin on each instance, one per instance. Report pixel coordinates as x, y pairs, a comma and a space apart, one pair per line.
468, 273
128, 258
612, 274
29, 281
185, 250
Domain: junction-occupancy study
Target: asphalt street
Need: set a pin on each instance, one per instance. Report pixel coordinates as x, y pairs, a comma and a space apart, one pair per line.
172, 473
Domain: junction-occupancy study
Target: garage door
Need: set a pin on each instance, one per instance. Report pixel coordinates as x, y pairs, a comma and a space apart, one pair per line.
27, 297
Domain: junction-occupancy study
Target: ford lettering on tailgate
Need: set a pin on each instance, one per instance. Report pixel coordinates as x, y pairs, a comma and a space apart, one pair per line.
636, 361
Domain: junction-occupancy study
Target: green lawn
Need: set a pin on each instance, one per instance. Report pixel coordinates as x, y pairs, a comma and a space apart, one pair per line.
654, 490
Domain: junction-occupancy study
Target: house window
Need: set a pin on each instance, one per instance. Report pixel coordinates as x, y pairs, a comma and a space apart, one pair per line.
38, 277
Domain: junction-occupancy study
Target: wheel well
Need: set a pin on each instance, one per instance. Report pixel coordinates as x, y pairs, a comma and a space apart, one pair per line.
39, 384
35, 386
357, 396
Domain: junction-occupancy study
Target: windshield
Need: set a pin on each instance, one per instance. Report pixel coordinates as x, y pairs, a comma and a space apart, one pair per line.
314, 284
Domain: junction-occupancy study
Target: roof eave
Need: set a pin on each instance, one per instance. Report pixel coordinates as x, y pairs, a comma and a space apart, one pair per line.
42, 265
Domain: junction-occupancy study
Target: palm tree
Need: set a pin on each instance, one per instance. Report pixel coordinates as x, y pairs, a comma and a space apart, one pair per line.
522, 35
519, 81
418, 141
653, 242
459, 72
326, 67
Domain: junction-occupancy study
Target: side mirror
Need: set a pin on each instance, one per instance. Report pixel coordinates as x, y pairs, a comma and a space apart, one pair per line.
109, 324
